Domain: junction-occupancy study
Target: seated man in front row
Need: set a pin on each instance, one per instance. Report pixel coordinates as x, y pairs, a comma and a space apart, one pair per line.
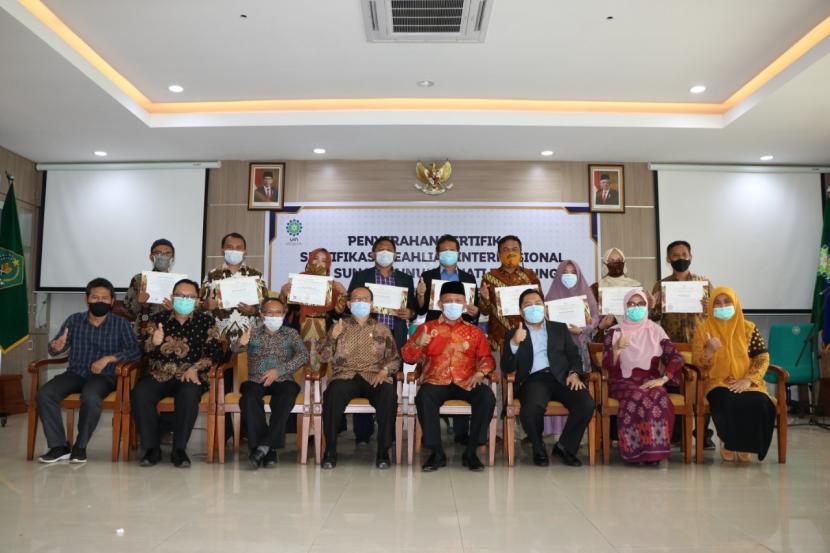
96, 340
182, 345
456, 359
275, 353
548, 367
364, 358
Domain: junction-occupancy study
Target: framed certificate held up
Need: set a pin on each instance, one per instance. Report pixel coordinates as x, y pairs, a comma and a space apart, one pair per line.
571, 311
310, 289
236, 290
158, 285
507, 299
388, 299
683, 297
469, 292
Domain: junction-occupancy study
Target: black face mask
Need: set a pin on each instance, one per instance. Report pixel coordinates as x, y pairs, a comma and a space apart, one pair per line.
99, 308
616, 269
681, 265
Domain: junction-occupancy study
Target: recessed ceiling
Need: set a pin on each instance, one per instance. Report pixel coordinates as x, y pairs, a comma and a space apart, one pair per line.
535, 50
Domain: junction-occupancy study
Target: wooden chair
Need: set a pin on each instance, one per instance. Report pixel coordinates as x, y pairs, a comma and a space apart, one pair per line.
683, 402
449, 408
357, 406
113, 402
229, 403
207, 406
554, 408
780, 401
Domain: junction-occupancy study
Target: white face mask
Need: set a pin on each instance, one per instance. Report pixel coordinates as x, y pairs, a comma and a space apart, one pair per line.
234, 257
385, 258
273, 323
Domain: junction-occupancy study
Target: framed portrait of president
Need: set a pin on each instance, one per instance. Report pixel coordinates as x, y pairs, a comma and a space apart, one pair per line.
606, 188
266, 186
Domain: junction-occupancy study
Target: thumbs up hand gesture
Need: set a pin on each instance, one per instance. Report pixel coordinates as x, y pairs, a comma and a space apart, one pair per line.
623, 342
520, 335
158, 335
426, 338
60, 342
337, 330
712, 344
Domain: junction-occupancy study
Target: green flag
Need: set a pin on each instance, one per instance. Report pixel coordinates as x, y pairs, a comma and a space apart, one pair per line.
14, 304
823, 276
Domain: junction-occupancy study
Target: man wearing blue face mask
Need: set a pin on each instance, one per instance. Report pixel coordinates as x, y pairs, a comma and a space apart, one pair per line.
548, 367
182, 345
383, 252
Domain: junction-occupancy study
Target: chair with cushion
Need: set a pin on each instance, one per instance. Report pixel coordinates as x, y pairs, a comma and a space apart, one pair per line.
113, 402
554, 408
683, 402
450, 408
229, 403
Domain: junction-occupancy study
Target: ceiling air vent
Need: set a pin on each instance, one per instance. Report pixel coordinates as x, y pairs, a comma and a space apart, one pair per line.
426, 20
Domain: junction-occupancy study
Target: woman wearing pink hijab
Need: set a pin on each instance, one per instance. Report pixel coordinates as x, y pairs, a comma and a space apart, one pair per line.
569, 282
634, 351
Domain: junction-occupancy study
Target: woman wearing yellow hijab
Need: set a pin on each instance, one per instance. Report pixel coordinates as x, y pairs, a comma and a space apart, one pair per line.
735, 355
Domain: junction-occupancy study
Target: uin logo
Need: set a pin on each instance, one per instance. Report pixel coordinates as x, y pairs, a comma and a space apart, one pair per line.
294, 228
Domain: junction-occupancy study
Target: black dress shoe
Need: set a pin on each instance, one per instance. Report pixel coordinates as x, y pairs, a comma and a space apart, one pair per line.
329, 461
435, 461
180, 459
566, 457
541, 459
472, 462
151, 457
382, 462
256, 458
270, 460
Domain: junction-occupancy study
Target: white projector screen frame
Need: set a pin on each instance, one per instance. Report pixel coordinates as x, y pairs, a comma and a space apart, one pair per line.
101, 222
756, 232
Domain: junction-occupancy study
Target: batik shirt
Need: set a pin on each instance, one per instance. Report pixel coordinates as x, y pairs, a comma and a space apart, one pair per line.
679, 326
498, 326
192, 344
283, 350
231, 322
360, 350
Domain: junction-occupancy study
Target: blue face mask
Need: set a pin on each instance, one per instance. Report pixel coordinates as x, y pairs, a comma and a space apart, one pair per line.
448, 258
385, 258
724, 313
534, 314
360, 309
234, 257
453, 311
569, 280
184, 306
637, 314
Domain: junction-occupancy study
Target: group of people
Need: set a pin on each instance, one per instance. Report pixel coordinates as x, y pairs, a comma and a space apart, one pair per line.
361, 349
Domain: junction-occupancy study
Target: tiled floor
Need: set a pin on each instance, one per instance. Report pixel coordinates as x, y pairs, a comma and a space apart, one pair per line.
714, 507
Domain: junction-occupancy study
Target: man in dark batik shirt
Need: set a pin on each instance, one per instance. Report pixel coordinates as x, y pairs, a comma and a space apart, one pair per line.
182, 345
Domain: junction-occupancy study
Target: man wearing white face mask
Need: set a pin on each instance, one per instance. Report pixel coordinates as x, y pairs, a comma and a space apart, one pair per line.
383, 251
275, 353
456, 361
231, 322
162, 254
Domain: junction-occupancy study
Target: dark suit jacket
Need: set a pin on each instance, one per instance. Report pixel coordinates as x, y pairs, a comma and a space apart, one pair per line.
434, 274
563, 354
260, 196
401, 330
613, 198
